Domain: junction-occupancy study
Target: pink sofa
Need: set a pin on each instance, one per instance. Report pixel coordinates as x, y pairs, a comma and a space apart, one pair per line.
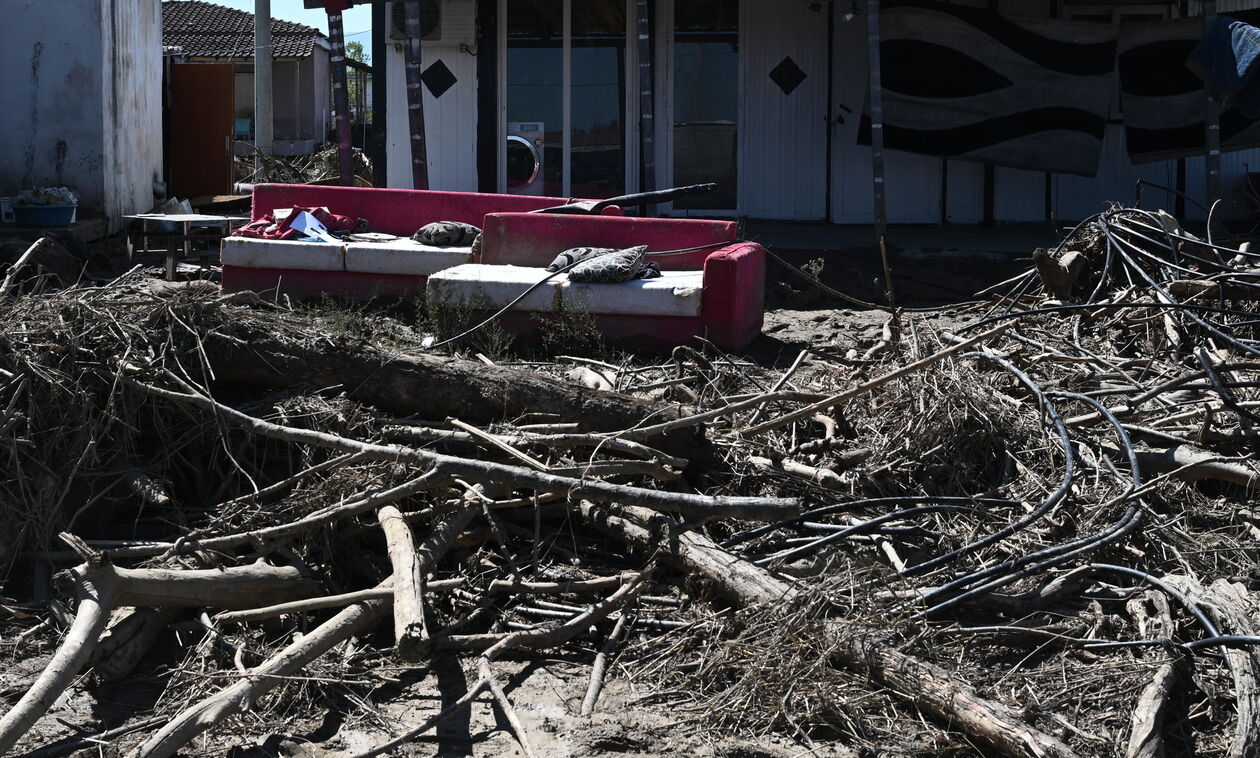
364, 270
715, 292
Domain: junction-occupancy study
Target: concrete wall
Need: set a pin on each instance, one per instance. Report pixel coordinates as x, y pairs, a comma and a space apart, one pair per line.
82, 101
451, 120
51, 79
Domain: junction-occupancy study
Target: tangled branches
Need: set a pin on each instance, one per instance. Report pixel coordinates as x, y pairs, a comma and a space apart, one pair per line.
1035, 534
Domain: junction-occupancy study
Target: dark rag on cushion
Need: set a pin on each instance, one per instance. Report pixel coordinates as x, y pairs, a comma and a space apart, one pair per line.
1014, 91
611, 268
575, 254
446, 234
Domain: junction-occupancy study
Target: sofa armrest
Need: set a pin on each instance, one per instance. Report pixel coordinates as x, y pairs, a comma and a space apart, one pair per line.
733, 301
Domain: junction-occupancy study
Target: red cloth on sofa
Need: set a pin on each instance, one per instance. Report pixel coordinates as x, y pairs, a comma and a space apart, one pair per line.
268, 229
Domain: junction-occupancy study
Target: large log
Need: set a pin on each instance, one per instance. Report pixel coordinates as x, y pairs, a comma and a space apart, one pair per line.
430, 386
102, 587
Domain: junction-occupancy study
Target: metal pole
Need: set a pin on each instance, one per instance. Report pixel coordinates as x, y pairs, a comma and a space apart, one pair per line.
1212, 122
877, 120
647, 128
341, 98
415, 99
263, 122
380, 95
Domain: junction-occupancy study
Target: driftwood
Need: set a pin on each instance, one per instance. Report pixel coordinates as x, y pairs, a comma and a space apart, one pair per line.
1202, 290
411, 633
928, 686
351, 621
442, 467
125, 643
102, 587
1146, 732
1059, 275
1193, 464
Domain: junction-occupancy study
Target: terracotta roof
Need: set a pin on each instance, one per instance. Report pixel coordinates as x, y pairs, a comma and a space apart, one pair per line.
208, 30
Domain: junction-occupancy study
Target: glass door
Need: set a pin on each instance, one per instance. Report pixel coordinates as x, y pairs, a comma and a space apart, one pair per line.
705, 106
564, 98
534, 145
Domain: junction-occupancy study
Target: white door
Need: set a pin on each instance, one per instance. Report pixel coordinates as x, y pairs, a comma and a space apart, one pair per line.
784, 57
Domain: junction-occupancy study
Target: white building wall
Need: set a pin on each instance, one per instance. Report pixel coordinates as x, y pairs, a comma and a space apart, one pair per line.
783, 137
132, 105
450, 121
913, 182
320, 108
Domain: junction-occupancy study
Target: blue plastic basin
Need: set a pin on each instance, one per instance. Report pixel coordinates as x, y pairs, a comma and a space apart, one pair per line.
44, 215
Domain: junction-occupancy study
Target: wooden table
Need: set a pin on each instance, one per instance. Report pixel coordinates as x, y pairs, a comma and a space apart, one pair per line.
179, 243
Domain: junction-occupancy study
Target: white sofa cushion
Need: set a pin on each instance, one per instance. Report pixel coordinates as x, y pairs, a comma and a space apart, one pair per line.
480, 285
403, 256
249, 252
675, 293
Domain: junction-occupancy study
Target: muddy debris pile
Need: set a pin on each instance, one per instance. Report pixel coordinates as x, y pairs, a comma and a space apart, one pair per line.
1034, 536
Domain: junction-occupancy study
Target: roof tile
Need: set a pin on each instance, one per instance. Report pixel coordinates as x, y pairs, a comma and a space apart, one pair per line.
209, 30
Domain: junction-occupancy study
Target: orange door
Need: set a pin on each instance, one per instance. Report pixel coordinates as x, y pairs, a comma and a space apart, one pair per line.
202, 111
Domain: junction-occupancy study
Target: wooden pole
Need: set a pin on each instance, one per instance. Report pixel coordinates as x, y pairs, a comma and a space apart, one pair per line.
877, 120
415, 99
647, 111
341, 97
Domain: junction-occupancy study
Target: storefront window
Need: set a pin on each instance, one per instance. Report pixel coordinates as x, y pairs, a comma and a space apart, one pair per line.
706, 100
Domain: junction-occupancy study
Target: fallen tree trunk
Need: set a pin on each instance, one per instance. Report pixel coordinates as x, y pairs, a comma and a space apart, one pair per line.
432, 386
1193, 464
351, 621
101, 587
927, 685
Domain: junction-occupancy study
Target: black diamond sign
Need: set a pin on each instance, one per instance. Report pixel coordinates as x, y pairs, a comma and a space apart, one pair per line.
787, 75
438, 78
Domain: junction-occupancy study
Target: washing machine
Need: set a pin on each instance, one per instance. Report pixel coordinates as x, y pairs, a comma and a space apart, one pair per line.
525, 157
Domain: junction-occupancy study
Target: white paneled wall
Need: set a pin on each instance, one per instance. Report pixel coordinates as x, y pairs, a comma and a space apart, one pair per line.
783, 136
450, 121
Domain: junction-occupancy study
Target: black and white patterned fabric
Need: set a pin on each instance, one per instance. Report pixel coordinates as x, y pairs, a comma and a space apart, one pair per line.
575, 254
613, 268
447, 234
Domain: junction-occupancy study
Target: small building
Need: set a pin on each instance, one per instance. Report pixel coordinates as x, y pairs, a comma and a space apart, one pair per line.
203, 32
769, 99
82, 84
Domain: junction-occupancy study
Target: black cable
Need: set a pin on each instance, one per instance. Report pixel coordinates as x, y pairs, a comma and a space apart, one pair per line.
1056, 554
